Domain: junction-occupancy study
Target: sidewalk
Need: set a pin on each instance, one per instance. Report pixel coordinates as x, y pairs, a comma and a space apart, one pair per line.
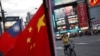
89, 36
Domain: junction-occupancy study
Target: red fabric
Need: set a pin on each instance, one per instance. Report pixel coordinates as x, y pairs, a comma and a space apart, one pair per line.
8, 39
39, 39
6, 42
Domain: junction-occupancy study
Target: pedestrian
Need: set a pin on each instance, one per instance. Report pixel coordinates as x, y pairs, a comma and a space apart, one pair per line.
65, 40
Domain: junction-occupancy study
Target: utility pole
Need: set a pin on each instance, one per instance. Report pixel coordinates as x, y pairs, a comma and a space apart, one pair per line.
89, 19
3, 16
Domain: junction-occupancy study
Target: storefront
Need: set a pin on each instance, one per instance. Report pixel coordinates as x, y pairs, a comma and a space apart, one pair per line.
64, 15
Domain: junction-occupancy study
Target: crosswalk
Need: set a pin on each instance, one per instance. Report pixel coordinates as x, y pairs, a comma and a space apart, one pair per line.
59, 48
81, 43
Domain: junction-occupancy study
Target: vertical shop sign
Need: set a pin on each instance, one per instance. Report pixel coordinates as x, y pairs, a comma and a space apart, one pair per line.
82, 15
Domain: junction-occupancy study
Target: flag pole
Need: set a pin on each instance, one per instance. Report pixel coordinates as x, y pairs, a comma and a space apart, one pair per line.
3, 16
46, 10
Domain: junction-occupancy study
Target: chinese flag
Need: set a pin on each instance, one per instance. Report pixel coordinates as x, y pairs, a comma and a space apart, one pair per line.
33, 41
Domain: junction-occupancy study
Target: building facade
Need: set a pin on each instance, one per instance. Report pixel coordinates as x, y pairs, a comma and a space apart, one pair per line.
74, 15
95, 16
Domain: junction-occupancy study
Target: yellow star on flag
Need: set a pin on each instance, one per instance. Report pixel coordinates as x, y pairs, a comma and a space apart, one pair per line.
32, 46
40, 22
30, 29
28, 40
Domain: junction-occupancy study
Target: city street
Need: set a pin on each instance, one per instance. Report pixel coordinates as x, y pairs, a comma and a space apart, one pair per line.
84, 46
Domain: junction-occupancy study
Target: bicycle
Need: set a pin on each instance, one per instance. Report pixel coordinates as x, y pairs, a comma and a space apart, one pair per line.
67, 52
70, 50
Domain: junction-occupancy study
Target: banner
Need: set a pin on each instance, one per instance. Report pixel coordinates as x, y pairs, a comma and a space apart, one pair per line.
82, 15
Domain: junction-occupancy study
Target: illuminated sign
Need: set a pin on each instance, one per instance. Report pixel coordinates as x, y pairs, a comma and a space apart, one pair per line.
12, 18
68, 10
72, 20
61, 12
82, 15
94, 2
59, 2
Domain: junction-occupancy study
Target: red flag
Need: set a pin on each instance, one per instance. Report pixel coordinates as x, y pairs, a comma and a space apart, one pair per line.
6, 42
8, 38
34, 39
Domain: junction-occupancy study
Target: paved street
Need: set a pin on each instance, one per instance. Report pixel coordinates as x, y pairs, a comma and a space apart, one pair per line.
84, 46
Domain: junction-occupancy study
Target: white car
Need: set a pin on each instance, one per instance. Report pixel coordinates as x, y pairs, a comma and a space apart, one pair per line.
58, 37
